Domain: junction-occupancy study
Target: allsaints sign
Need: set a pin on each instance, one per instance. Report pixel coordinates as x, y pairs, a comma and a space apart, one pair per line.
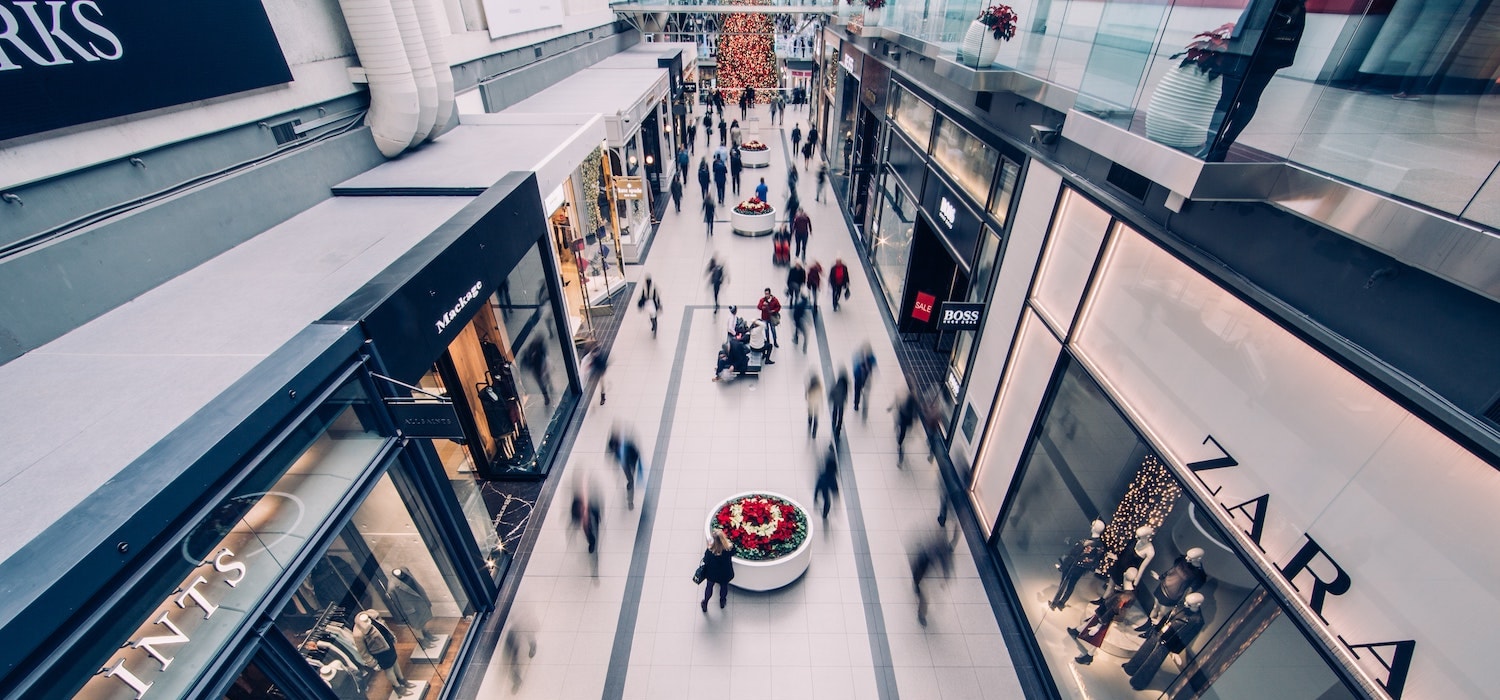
66, 62
1311, 570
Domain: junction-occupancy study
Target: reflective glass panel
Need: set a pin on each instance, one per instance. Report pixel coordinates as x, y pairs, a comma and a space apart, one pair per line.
965, 158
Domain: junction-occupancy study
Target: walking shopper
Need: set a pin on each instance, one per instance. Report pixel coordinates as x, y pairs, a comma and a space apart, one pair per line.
721, 176
761, 190
653, 310
692, 136
708, 129
770, 314
795, 278
683, 161
718, 568
812, 139
736, 166
708, 213
734, 135
585, 512
716, 278
723, 133
864, 369
827, 485
796, 137
597, 362
906, 411
838, 281
814, 404
791, 178
801, 230
780, 110
703, 177
799, 322
822, 181
935, 551
814, 282
627, 456
838, 397
677, 192
514, 640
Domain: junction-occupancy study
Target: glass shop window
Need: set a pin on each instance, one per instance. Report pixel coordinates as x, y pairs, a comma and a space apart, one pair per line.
1127, 584
382, 611
912, 116
966, 159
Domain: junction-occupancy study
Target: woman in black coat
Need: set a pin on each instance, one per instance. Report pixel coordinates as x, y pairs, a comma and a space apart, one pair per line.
718, 567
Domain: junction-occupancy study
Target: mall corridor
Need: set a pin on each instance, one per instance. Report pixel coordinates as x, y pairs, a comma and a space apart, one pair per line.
628, 624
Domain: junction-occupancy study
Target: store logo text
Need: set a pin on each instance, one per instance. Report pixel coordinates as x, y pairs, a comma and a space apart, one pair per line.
51, 34
458, 308
947, 212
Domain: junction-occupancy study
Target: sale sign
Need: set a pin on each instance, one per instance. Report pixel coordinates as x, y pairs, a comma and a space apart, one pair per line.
922, 309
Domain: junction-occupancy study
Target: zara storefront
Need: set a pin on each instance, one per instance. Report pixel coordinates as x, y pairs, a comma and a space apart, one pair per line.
1190, 500
322, 527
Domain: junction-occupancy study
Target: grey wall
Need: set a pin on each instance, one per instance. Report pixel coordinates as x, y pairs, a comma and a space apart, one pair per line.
508, 78
51, 289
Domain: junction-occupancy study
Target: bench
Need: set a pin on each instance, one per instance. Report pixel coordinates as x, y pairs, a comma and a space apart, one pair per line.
752, 368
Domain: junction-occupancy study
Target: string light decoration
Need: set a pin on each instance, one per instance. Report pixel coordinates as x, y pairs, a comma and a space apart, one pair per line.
747, 54
1148, 501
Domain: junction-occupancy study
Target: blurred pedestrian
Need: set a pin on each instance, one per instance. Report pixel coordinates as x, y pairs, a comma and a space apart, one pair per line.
792, 176
838, 281
796, 137
827, 485
627, 456
800, 317
801, 231
933, 551
724, 133
515, 640
736, 167
703, 177
721, 176
692, 136
597, 362
585, 512
735, 134
864, 370
761, 191
683, 161
653, 310
717, 275
906, 410
535, 361
814, 282
822, 181
807, 154
677, 192
709, 212
812, 139
796, 276
718, 568
838, 398
932, 418
814, 404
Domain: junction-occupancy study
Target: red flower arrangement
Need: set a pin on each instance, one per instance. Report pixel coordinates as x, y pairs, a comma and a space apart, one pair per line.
1001, 20
762, 527
747, 53
870, 4
752, 146
753, 205
1207, 51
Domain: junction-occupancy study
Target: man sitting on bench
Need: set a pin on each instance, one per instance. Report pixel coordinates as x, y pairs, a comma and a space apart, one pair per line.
733, 353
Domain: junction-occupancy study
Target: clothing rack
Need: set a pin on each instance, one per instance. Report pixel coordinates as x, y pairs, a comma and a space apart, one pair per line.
319, 630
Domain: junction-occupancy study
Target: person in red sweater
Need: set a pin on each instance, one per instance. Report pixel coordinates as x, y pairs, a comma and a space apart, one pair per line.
838, 281
770, 305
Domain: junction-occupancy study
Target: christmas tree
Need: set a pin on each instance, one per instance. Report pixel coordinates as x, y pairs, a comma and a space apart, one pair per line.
747, 54
1148, 500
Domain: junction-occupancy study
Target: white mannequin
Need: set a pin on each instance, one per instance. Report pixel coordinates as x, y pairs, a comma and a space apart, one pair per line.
1096, 529
1193, 601
363, 626
1087, 654
1194, 557
1143, 546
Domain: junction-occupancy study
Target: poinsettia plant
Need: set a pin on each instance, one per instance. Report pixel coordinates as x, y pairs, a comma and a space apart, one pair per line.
1001, 20
762, 527
752, 146
1208, 51
870, 4
753, 205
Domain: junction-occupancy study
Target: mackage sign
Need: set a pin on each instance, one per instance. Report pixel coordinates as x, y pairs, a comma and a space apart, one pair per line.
67, 62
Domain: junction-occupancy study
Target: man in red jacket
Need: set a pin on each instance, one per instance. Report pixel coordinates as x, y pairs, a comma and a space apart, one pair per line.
838, 281
770, 305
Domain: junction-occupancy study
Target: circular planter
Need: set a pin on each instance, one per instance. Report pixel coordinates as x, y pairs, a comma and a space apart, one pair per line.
767, 574
755, 159
752, 224
980, 46
873, 17
1182, 106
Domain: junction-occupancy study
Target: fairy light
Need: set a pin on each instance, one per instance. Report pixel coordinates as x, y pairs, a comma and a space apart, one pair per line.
1148, 501
747, 53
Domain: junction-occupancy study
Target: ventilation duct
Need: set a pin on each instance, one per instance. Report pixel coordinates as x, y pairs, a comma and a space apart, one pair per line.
395, 108
432, 31
421, 67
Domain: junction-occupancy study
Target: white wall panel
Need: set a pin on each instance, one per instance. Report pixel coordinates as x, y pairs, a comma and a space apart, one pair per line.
1072, 247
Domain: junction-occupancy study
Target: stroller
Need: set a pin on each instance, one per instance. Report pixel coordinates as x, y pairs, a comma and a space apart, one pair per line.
781, 247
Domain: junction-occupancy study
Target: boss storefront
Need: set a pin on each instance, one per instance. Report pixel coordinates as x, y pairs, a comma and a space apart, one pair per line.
1191, 501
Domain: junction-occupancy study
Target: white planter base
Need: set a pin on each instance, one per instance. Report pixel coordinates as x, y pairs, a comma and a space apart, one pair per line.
770, 574
752, 224
1182, 107
755, 159
979, 47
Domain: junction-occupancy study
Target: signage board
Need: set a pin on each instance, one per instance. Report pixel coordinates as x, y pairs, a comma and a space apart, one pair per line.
953, 219
511, 17
76, 61
850, 62
960, 315
629, 187
921, 309
426, 419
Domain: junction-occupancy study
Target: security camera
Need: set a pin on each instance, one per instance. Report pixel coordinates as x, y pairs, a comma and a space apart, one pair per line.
1043, 134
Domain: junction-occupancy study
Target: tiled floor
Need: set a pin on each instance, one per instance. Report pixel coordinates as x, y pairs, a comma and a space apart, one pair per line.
628, 625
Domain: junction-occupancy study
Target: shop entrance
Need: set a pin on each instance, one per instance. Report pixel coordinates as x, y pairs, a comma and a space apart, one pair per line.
585, 261
933, 272
866, 137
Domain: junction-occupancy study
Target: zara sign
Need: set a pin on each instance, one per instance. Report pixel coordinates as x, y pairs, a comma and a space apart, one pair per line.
67, 62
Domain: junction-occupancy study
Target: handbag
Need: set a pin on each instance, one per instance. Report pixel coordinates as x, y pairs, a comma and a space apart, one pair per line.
776, 318
699, 575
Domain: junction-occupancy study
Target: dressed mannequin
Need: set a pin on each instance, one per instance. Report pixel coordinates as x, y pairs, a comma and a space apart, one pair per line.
1081, 559
1137, 555
380, 643
340, 679
1185, 576
334, 653
1096, 627
344, 639
409, 601
1172, 635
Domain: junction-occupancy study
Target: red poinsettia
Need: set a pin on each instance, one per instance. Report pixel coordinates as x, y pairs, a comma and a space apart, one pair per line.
753, 146
1208, 51
762, 527
753, 205
1001, 19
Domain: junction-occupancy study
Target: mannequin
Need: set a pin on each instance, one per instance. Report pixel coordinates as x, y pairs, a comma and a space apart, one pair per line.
335, 653
409, 601
341, 637
1079, 560
1185, 576
1137, 554
380, 643
340, 679
1097, 625
1172, 635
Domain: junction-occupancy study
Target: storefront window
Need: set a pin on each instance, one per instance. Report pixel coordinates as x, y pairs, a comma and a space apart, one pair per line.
1072, 247
966, 159
227, 563
979, 287
509, 373
468, 489
912, 116
382, 610
254, 684
891, 248
1195, 621
1005, 190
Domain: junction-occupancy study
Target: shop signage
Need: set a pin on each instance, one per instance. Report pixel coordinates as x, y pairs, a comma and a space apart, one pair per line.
1311, 570
850, 64
458, 308
921, 309
947, 213
629, 187
66, 62
952, 217
510, 17
164, 630
960, 315
427, 419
